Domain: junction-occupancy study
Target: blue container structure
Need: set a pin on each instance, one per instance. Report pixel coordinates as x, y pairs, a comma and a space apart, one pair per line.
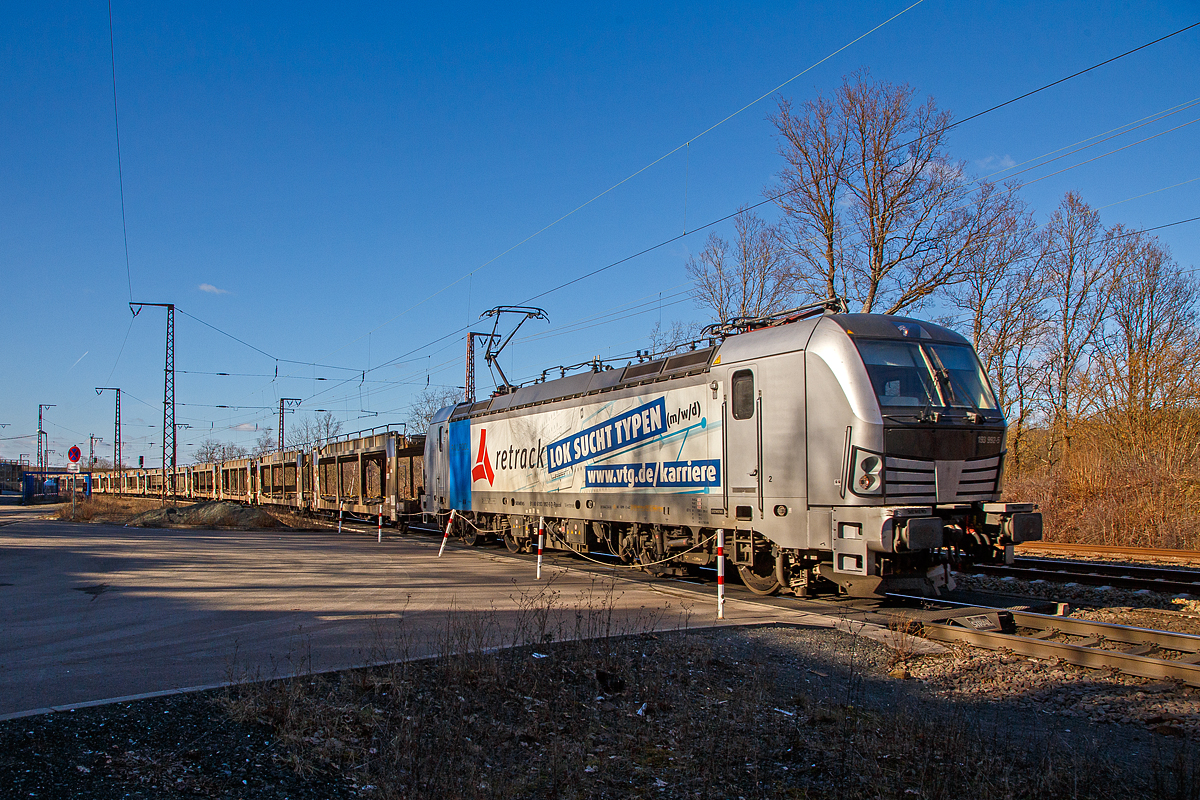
47, 486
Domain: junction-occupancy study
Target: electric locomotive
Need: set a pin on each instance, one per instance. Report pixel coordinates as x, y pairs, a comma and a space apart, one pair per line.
860, 449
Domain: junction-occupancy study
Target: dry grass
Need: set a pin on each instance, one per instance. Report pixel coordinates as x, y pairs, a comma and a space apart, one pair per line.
107, 508
1107, 490
118, 510
638, 714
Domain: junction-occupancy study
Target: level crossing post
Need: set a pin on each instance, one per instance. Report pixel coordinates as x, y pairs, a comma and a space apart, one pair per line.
541, 544
720, 573
449, 525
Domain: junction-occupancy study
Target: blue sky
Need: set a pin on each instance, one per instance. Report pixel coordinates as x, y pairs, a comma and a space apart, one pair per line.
342, 185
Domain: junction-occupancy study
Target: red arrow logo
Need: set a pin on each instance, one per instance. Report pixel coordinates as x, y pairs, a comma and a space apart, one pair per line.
483, 465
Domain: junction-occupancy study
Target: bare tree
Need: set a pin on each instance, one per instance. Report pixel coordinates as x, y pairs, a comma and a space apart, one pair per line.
1081, 264
211, 451
265, 443
313, 430
874, 207
813, 144
1001, 299
671, 338
1148, 363
748, 279
428, 402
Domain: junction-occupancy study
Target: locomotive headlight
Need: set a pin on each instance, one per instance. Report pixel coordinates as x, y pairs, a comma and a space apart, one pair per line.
868, 473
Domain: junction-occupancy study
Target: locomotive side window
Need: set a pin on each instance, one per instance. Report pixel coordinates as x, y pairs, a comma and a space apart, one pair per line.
743, 394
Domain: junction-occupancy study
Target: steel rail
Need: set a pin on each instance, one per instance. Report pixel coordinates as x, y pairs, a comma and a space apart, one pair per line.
1109, 631
1119, 578
1108, 550
1149, 572
1130, 662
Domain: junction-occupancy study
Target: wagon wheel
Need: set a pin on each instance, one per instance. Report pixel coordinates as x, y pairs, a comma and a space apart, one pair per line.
624, 544
512, 542
646, 555
760, 577
514, 538
466, 532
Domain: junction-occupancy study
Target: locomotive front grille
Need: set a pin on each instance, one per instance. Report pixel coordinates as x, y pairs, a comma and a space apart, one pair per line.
913, 480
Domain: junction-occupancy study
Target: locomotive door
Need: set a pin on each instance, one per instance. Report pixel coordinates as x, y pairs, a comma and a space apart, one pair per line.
441, 467
743, 444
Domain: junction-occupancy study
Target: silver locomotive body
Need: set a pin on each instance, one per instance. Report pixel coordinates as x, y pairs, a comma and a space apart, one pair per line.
862, 449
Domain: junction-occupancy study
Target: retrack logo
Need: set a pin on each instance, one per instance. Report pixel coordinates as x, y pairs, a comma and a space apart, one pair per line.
483, 465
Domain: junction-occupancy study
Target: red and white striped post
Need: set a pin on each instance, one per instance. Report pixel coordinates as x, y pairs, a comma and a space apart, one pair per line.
541, 544
381, 523
720, 573
340, 504
449, 524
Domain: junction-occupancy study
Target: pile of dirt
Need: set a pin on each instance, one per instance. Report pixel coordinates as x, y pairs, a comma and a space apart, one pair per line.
213, 515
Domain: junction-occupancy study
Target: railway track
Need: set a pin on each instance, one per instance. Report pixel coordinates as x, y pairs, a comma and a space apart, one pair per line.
1159, 655
1119, 576
1137, 553
1142, 652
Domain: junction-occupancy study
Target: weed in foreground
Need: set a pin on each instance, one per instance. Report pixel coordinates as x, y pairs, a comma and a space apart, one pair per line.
559, 700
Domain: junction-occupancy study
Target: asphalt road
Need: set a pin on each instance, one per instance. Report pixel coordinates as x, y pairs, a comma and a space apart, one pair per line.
94, 612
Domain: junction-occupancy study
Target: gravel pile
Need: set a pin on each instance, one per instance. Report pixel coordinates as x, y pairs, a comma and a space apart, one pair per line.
212, 515
1060, 690
1078, 594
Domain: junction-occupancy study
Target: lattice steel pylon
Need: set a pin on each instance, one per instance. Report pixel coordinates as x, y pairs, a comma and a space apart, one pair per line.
168, 436
42, 455
116, 436
471, 337
283, 400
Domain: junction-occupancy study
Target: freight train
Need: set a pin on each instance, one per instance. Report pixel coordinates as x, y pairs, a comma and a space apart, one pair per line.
856, 452
365, 474
862, 450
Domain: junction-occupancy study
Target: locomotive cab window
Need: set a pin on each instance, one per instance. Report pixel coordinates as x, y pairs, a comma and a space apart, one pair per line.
925, 375
743, 394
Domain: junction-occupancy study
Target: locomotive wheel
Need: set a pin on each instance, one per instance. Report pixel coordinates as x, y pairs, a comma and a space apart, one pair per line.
512, 542
466, 532
760, 578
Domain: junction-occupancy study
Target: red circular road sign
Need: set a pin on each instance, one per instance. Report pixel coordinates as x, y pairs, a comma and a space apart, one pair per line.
74, 454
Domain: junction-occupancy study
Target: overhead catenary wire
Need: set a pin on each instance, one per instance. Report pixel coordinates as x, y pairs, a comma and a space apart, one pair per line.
705, 226
1099, 138
120, 169
1111, 152
633, 175
1147, 194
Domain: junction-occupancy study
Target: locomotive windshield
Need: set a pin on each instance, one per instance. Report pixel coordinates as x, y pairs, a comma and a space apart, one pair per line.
905, 373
